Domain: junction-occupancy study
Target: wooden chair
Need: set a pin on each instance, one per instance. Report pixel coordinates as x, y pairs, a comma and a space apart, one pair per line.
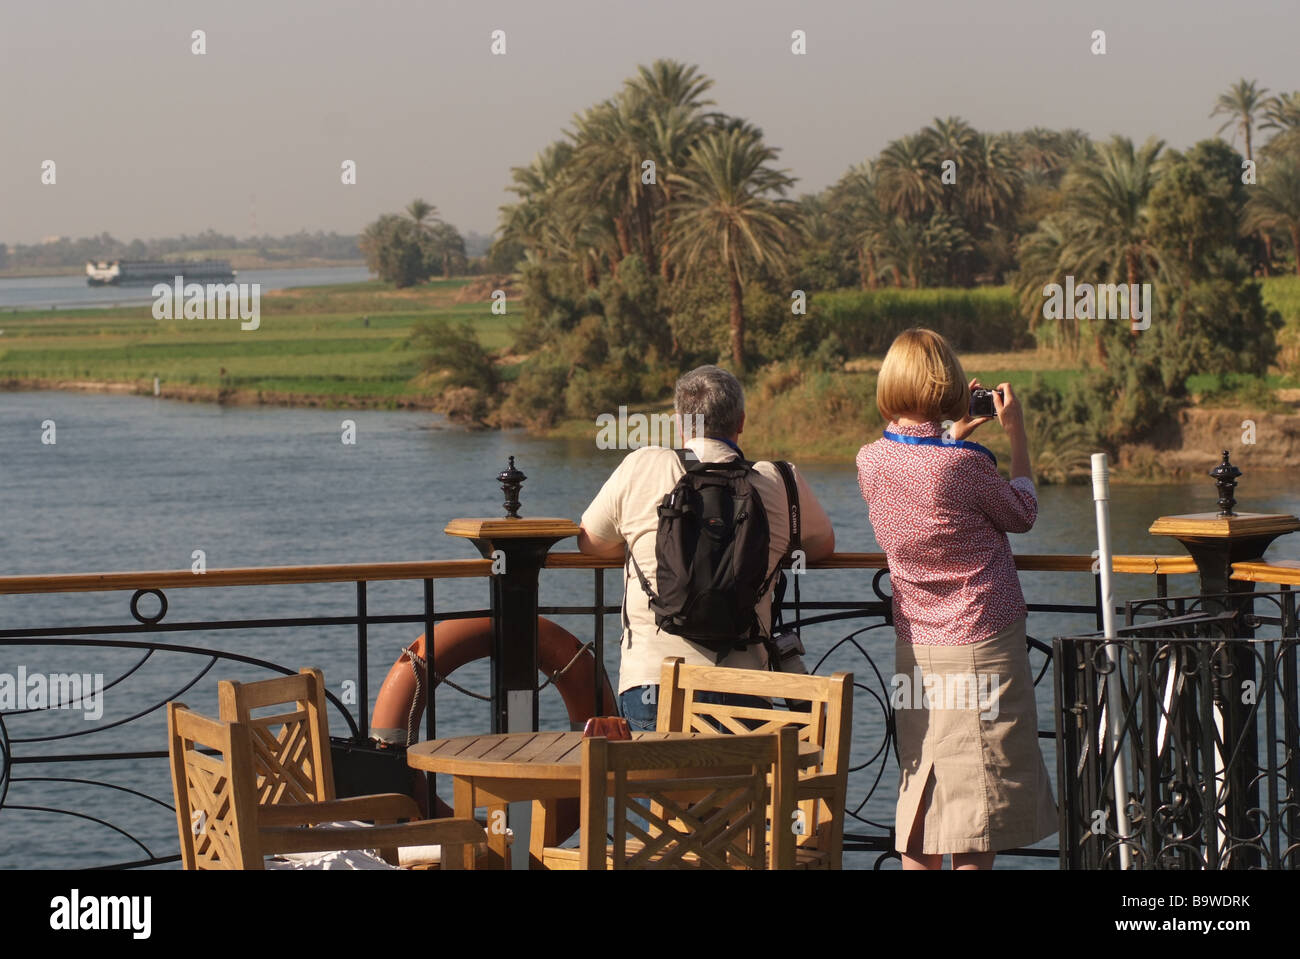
222, 826
704, 803
823, 714
291, 750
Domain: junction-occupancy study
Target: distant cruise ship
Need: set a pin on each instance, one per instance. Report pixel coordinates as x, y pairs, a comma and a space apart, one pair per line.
145, 272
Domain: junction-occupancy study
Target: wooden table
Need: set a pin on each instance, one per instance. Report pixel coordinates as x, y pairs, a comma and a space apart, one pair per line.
493, 770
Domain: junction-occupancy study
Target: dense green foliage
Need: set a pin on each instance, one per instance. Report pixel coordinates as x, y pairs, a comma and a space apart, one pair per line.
866, 321
405, 250
633, 276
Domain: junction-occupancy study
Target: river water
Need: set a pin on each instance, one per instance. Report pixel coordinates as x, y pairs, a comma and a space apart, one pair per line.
72, 292
139, 483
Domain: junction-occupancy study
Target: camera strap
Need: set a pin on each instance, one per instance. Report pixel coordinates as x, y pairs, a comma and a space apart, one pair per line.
796, 540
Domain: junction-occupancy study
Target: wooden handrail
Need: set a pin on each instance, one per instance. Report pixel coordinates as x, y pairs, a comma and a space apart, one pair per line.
1038, 562
244, 576
1282, 572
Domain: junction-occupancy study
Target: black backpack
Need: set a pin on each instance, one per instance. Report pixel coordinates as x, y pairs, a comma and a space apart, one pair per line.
711, 553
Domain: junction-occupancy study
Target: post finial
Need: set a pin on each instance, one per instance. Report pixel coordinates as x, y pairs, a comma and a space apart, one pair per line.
511, 479
1225, 477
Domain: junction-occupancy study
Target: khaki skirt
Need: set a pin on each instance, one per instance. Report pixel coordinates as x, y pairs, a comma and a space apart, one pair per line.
969, 765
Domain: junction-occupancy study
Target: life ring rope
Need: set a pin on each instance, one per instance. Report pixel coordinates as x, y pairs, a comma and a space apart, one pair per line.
585, 648
418, 664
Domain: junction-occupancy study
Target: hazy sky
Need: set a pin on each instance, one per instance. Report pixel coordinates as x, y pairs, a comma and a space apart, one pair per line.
152, 140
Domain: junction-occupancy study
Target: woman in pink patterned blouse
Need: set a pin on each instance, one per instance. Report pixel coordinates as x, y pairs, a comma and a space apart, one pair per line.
971, 780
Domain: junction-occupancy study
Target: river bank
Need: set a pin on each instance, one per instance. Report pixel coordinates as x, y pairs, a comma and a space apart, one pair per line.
226, 396
353, 345
1257, 441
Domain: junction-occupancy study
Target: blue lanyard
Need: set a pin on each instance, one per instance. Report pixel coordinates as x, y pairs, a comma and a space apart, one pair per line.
939, 441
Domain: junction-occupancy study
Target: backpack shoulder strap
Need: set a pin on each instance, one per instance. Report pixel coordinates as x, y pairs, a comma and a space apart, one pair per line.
682, 454
792, 502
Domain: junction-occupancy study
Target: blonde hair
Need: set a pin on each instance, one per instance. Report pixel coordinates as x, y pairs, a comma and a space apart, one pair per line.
921, 375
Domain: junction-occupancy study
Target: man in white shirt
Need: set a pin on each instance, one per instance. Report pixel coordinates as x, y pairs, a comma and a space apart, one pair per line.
624, 517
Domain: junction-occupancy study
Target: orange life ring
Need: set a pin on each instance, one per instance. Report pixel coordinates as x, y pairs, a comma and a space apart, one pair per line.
460, 641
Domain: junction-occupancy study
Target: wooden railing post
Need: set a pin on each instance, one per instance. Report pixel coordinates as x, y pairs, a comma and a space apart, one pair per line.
517, 548
1216, 541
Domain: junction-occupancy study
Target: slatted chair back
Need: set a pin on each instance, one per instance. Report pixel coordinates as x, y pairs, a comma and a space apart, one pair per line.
696, 803
216, 811
821, 708
291, 746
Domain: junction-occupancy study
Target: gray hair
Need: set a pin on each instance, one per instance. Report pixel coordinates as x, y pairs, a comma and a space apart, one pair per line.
713, 394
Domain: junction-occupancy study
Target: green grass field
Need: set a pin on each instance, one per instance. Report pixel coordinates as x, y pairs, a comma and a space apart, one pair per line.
311, 341
315, 341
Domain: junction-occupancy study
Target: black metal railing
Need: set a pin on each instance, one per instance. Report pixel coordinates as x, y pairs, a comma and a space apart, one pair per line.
134, 802
114, 751
1206, 750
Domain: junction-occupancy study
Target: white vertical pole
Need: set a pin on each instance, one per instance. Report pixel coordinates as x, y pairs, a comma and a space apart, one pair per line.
1114, 688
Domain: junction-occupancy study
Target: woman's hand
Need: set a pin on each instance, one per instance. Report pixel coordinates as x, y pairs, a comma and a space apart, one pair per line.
968, 424
1012, 417
1009, 411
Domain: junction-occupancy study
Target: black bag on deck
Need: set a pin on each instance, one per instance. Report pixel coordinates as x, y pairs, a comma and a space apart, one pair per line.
711, 553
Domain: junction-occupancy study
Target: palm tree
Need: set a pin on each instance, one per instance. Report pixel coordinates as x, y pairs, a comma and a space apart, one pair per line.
1040, 153
448, 246
990, 189
1241, 103
1107, 195
1062, 449
667, 84
952, 138
1102, 233
992, 185
610, 142
728, 210
1040, 255
537, 185
855, 205
672, 131
423, 214
909, 177
815, 216
923, 248
1274, 202
1282, 113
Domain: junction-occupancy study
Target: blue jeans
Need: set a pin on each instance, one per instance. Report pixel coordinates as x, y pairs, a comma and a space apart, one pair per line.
640, 705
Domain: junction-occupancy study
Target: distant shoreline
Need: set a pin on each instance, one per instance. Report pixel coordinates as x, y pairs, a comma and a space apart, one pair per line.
306, 263
350, 346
